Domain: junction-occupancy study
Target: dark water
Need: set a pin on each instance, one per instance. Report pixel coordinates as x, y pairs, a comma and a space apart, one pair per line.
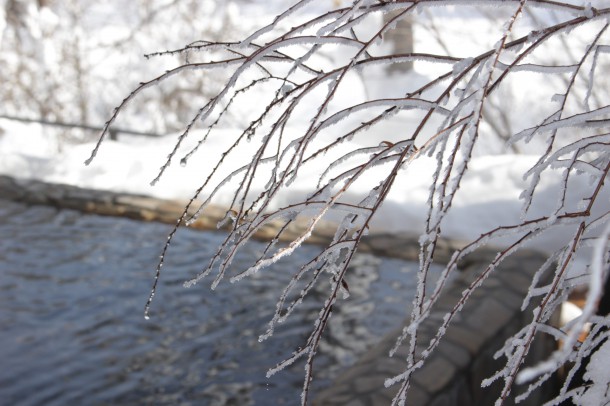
72, 331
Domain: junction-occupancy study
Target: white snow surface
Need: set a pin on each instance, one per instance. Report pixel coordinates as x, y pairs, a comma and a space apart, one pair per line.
597, 373
488, 196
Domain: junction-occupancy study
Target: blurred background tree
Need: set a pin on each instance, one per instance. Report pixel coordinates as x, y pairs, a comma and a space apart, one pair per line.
61, 60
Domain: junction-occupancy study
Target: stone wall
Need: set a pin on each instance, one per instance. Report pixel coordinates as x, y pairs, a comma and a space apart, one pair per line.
453, 373
146, 208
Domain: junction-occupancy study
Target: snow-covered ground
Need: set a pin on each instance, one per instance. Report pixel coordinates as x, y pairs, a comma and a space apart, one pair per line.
488, 197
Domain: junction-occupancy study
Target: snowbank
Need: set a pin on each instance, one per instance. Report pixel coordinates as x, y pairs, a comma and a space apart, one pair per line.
488, 197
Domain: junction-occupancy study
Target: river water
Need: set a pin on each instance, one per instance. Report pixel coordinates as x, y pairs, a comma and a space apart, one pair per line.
72, 331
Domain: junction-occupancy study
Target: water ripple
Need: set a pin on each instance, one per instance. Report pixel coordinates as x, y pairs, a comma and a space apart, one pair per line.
73, 289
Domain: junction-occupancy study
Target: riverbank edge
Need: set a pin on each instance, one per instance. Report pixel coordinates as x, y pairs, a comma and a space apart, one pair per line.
146, 208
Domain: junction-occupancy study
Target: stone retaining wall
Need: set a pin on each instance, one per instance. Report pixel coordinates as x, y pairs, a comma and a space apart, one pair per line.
146, 208
452, 374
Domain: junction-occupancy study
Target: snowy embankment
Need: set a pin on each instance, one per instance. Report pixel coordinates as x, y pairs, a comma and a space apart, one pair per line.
488, 197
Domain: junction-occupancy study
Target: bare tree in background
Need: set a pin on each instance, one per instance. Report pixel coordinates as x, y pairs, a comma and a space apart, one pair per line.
566, 127
56, 57
400, 38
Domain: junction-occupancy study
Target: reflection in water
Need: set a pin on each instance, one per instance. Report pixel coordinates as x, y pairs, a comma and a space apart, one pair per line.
72, 331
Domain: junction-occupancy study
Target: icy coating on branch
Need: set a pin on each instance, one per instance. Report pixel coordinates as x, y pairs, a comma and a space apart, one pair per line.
308, 125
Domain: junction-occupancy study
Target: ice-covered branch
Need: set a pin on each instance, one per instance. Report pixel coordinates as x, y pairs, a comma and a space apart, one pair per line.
307, 122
